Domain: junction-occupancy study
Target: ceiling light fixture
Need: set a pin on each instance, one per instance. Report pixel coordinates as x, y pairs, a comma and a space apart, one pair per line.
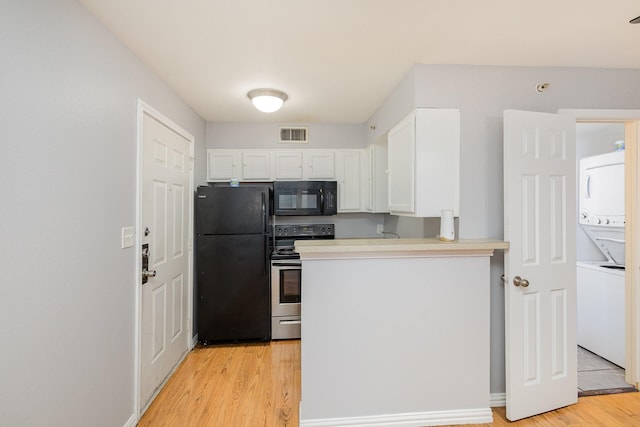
635, 20
267, 100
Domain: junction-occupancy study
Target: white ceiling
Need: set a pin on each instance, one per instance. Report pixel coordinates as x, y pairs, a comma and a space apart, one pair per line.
339, 59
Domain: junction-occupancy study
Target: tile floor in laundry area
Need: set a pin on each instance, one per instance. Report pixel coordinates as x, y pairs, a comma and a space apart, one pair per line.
599, 376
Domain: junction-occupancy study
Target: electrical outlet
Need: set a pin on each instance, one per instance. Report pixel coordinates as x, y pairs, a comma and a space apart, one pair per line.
379, 228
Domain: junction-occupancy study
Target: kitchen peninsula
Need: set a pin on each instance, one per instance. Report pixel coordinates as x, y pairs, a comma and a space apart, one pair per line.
395, 332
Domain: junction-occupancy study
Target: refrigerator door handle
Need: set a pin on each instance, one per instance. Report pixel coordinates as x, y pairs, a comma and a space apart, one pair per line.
266, 254
264, 214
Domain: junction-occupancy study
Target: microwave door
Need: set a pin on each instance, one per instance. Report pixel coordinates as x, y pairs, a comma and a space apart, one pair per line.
286, 202
310, 202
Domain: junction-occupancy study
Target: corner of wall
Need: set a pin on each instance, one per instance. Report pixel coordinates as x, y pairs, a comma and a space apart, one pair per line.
398, 104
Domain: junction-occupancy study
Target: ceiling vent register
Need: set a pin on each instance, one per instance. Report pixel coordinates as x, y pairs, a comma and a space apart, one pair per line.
294, 135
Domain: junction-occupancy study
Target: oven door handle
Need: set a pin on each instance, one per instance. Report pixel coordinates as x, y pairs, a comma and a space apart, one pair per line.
290, 322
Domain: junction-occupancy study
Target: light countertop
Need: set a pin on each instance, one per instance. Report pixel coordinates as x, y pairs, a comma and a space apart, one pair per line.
351, 246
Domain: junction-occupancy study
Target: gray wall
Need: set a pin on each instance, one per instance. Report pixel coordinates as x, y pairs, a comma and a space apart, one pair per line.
482, 93
265, 135
68, 160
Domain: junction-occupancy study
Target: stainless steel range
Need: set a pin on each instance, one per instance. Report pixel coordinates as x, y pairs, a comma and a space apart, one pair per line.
286, 276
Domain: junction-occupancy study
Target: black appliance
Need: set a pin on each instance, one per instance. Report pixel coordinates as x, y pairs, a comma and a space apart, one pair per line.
286, 276
305, 197
233, 243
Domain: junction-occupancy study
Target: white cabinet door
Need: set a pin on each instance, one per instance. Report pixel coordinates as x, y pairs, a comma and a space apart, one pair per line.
401, 166
256, 165
222, 165
376, 178
288, 165
319, 164
348, 171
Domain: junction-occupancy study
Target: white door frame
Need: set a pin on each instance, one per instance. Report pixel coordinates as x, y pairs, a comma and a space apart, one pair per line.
142, 109
631, 119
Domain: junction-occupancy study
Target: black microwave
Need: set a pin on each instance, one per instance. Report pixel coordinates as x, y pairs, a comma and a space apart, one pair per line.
305, 197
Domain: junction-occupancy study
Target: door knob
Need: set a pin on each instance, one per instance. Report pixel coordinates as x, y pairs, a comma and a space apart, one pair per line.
518, 281
148, 273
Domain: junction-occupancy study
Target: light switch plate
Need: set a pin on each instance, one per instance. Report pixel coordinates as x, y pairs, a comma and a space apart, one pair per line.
128, 237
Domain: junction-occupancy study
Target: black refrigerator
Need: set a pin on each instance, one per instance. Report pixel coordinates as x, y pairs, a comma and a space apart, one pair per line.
233, 242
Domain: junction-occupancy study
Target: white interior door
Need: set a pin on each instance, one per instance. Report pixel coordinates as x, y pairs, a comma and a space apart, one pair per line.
166, 213
540, 269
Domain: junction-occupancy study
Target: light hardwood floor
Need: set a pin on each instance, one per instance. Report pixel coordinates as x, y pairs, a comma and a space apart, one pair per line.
259, 385
233, 385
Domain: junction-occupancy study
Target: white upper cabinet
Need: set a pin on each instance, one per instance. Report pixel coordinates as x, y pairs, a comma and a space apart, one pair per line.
288, 164
424, 163
349, 174
319, 164
256, 165
222, 165
349, 167
401, 166
247, 165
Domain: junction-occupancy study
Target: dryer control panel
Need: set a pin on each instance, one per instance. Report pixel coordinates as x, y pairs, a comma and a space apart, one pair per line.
601, 200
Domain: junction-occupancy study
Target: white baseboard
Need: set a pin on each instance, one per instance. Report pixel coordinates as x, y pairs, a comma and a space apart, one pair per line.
131, 422
497, 400
414, 419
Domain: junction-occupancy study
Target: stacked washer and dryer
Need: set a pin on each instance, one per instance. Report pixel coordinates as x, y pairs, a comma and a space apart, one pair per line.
601, 288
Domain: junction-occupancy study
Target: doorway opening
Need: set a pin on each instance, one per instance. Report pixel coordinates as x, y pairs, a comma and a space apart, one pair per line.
600, 254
